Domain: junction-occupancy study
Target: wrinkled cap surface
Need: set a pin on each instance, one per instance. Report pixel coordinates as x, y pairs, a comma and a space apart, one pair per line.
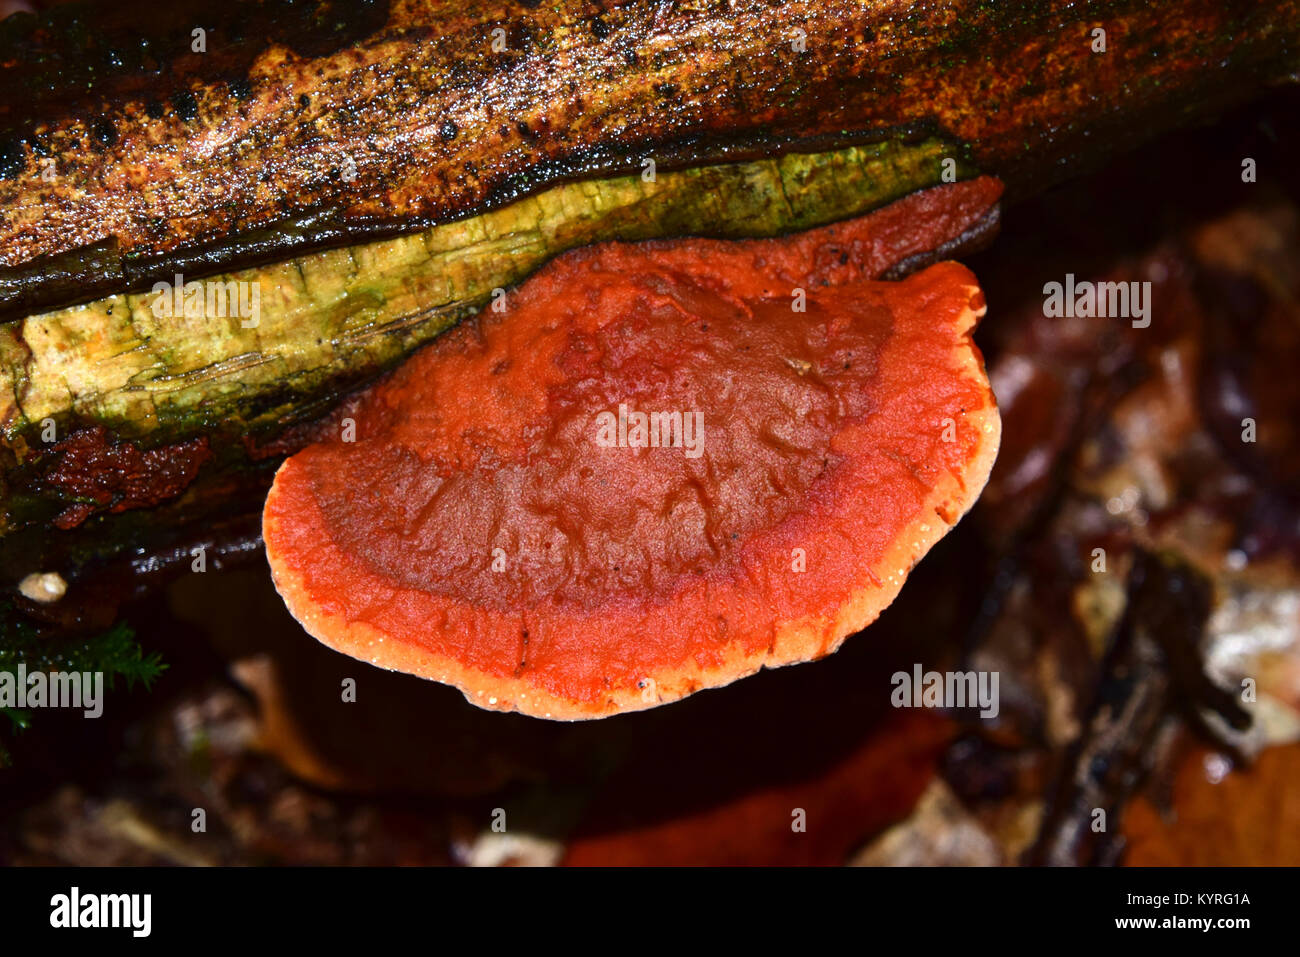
662, 467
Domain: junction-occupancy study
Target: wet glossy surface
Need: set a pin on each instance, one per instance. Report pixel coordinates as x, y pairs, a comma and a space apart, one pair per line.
478, 527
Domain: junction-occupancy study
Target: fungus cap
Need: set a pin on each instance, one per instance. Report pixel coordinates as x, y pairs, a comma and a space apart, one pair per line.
663, 467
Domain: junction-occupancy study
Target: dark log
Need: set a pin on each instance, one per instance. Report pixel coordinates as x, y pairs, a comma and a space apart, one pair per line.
231, 163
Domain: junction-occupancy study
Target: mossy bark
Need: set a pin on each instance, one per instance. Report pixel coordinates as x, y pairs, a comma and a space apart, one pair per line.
330, 319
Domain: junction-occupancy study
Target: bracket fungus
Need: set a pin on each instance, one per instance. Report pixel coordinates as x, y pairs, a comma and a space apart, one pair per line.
661, 467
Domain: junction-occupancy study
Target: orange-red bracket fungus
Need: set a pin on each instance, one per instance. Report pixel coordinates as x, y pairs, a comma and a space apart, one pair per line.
663, 467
